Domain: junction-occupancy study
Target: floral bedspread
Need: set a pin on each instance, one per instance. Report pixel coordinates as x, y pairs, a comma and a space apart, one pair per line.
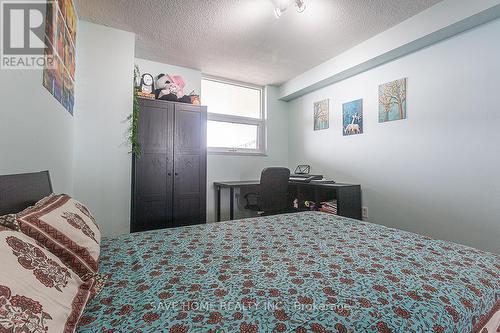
304, 272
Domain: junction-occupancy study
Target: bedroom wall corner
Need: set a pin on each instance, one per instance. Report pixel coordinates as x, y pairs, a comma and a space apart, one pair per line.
36, 132
102, 163
436, 172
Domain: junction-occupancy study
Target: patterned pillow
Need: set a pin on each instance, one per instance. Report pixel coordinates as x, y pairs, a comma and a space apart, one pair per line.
9, 221
38, 293
67, 229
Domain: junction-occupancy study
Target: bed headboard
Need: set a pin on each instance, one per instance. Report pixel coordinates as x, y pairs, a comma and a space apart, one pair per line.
20, 191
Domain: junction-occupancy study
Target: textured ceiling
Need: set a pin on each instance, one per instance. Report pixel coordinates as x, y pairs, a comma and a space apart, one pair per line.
241, 39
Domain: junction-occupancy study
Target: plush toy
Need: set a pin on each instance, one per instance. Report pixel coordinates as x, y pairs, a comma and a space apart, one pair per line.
169, 88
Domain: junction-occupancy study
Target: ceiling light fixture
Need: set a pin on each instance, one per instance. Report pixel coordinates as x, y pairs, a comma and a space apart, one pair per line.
281, 5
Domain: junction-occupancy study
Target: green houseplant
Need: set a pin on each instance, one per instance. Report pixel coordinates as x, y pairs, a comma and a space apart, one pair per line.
133, 119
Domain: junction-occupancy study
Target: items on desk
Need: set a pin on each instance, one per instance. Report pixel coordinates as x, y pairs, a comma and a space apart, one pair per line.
323, 181
329, 207
304, 178
311, 205
302, 169
302, 175
312, 179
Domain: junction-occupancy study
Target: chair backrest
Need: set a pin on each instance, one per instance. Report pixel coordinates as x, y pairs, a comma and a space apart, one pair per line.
273, 193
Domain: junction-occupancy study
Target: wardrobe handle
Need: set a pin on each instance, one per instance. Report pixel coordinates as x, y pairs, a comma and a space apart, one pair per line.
169, 174
176, 174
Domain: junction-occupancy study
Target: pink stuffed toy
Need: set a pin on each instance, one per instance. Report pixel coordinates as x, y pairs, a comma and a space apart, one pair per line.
169, 88
179, 82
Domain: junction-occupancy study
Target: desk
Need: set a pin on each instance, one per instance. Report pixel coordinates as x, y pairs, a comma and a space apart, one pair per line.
348, 196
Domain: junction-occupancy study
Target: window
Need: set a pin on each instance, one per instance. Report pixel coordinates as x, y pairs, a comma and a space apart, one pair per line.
236, 122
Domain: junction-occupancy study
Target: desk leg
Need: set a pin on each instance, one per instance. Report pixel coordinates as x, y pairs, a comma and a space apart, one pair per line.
231, 203
218, 203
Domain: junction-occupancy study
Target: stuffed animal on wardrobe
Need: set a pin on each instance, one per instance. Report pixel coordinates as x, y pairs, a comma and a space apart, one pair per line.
169, 88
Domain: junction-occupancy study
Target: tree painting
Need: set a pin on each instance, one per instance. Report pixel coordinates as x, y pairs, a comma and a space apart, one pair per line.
321, 115
392, 101
352, 117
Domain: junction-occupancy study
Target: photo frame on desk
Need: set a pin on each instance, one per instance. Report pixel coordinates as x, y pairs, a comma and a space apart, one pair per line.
302, 170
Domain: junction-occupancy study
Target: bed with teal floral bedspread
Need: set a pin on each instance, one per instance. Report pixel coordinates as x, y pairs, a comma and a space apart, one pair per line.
304, 272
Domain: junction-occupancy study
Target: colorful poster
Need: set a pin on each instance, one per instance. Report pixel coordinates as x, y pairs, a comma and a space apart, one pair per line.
58, 78
48, 72
69, 57
67, 93
60, 35
71, 18
50, 13
62, 6
60, 32
67, 46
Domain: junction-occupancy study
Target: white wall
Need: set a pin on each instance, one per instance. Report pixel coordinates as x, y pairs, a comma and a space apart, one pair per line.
230, 167
36, 131
104, 88
192, 77
435, 173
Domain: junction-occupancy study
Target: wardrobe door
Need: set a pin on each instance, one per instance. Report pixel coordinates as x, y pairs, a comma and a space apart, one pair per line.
152, 204
190, 164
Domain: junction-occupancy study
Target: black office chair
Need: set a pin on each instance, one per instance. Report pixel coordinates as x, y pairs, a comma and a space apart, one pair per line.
273, 192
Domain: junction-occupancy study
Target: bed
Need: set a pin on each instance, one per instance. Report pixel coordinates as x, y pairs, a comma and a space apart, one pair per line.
303, 272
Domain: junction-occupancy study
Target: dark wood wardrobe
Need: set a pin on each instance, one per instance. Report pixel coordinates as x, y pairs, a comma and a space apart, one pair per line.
169, 178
